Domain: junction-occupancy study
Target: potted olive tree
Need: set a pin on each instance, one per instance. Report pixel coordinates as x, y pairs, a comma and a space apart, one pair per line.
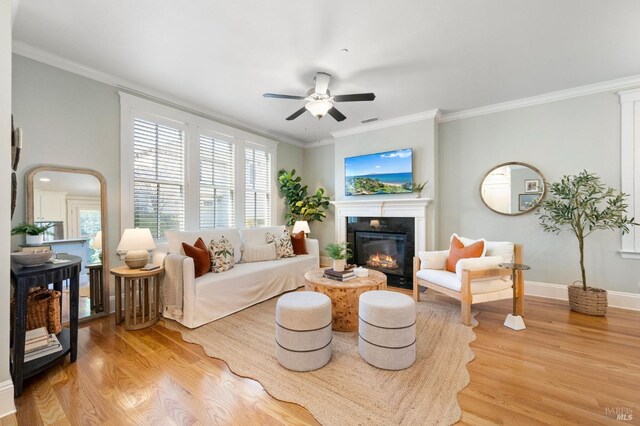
34, 233
583, 205
339, 252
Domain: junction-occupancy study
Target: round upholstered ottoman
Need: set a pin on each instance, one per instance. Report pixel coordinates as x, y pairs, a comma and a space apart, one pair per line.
303, 330
387, 328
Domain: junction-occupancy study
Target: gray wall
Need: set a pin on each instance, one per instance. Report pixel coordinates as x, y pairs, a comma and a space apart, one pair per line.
558, 138
289, 157
319, 172
5, 188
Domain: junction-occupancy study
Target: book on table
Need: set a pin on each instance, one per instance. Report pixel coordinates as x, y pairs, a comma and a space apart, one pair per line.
339, 274
341, 279
53, 345
36, 339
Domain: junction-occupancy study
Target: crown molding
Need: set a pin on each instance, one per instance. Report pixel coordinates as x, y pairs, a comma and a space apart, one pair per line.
590, 89
39, 55
425, 115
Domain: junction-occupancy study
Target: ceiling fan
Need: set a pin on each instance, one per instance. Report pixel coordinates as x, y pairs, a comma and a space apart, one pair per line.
319, 99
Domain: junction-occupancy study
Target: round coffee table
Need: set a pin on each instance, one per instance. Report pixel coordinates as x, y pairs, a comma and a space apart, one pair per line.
344, 295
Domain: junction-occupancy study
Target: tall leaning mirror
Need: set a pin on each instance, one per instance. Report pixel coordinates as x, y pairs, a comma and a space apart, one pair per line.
512, 188
74, 202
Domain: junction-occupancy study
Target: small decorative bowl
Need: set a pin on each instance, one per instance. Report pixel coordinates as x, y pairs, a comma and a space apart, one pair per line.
31, 259
361, 272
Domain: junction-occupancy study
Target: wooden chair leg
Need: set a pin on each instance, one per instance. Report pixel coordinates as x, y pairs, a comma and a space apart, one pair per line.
416, 286
466, 298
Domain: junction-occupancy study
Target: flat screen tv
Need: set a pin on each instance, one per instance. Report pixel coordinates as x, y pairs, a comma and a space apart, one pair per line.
388, 172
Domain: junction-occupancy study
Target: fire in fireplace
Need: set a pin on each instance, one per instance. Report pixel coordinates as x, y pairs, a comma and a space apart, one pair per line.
381, 260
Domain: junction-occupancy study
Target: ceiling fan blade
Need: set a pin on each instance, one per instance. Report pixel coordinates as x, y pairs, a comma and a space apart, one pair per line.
322, 82
297, 114
336, 114
277, 96
355, 97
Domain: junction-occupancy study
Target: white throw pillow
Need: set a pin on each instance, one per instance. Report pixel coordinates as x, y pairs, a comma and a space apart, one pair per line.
259, 252
258, 235
433, 259
504, 249
284, 248
222, 256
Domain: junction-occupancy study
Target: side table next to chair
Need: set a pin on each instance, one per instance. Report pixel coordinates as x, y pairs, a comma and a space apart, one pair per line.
141, 296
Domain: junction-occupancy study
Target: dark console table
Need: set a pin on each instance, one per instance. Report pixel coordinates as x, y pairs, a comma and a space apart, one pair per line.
24, 279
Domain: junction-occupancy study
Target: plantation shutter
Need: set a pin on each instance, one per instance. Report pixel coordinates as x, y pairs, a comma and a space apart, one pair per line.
257, 207
158, 175
216, 183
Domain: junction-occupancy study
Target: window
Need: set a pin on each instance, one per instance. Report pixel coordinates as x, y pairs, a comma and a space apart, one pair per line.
257, 205
158, 174
183, 171
630, 166
216, 183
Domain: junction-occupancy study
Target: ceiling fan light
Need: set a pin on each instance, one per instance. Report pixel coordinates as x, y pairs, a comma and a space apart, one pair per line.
319, 107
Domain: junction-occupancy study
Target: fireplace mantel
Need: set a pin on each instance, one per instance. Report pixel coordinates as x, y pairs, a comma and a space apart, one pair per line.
387, 207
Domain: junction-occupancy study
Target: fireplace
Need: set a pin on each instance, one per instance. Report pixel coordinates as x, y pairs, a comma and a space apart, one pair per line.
385, 244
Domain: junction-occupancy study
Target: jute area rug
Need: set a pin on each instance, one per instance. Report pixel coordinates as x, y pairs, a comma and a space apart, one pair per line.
348, 391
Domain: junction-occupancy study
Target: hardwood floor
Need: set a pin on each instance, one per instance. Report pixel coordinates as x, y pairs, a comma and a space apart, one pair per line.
564, 369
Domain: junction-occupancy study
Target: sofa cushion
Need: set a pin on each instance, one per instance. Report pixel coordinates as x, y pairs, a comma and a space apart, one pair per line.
433, 259
298, 242
284, 248
259, 235
259, 252
200, 255
449, 280
504, 249
176, 238
458, 251
222, 254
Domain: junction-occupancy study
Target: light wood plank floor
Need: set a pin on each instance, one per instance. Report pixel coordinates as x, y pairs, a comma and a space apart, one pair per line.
564, 369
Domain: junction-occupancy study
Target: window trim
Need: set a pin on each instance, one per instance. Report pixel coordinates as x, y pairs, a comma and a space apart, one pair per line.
193, 125
630, 166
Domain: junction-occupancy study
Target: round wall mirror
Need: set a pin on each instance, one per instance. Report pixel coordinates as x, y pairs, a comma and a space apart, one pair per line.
512, 188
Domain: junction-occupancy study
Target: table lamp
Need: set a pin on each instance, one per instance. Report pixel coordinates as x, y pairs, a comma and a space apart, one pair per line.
301, 225
136, 242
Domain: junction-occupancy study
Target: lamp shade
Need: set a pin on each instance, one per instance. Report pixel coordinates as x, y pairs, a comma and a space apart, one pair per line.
301, 225
96, 244
319, 107
136, 239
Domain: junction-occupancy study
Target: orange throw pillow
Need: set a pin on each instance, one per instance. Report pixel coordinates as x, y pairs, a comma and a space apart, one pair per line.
200, 255
298, 243
458, 251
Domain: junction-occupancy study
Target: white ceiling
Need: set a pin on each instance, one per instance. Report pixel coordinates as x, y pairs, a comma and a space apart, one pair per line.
416, 55
72, 183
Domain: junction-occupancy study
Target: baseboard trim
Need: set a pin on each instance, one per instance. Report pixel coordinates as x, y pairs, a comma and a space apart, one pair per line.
616, 299
6, 398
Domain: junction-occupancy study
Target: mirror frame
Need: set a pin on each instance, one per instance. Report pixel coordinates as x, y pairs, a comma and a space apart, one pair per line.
103, 219
518, 163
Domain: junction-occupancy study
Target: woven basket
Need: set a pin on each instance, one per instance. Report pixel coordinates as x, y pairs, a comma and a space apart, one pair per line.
43, 310
590, 302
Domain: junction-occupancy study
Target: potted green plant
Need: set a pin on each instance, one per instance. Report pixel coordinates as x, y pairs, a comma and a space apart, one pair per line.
300, 204
418, 187
339, 252
583, 205
34, 233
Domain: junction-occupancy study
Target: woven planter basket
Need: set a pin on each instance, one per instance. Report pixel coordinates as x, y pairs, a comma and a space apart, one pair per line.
43, 310
590, 302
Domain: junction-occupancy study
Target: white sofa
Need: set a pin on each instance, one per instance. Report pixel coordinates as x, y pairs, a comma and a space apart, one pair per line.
216, 295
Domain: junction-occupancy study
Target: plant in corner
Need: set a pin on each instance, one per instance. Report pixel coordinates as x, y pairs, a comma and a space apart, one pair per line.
301, 205
582, 204
339, 252
34, 233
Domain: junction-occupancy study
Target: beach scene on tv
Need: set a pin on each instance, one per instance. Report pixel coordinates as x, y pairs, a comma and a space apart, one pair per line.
382, 173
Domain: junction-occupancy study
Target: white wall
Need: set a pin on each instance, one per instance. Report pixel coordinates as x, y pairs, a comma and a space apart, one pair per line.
558, 138
6, 385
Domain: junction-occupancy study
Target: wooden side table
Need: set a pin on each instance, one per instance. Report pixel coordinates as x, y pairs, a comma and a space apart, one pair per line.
345, 296
141, 296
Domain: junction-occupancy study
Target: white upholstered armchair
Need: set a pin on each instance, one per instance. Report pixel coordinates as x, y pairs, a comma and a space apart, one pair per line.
476, 280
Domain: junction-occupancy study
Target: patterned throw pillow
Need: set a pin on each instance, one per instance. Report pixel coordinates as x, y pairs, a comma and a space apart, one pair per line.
284, 248
221, 252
